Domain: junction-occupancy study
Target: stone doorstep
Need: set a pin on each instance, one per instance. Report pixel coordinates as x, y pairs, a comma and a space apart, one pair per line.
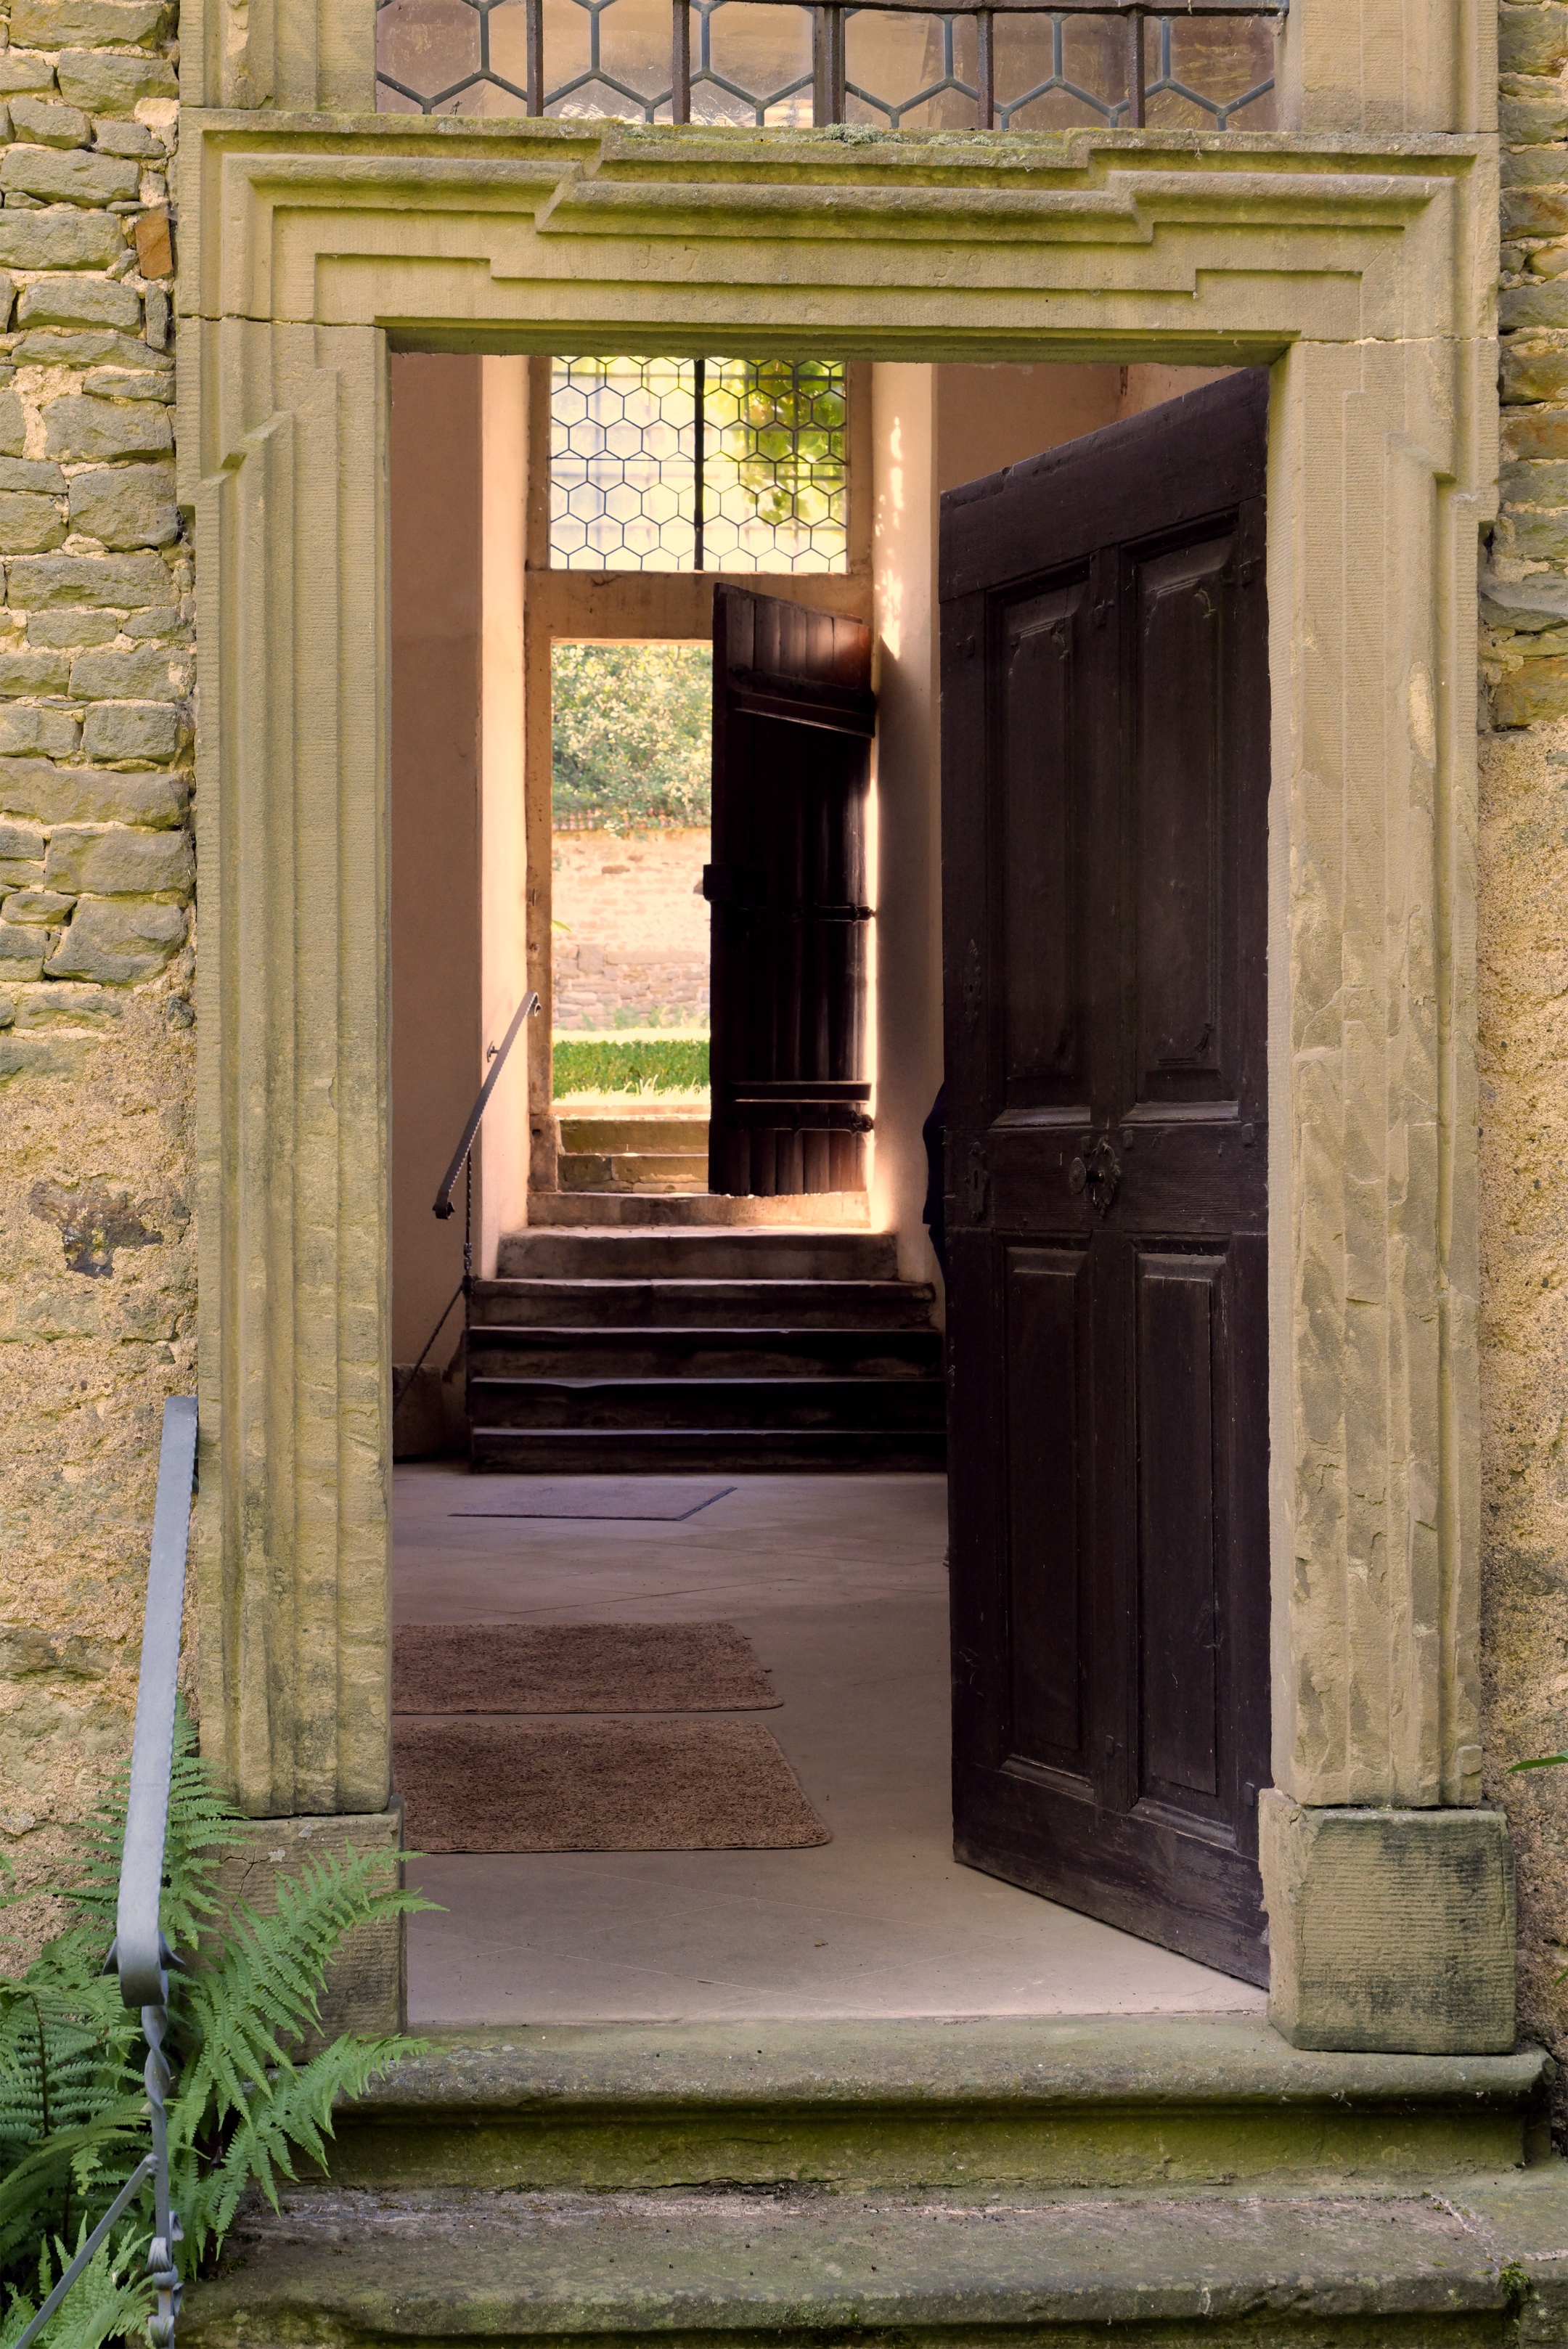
1145, 2102
1459, 2257
626, 1170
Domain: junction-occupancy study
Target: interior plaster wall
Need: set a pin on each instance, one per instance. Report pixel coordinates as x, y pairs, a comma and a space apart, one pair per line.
435, 495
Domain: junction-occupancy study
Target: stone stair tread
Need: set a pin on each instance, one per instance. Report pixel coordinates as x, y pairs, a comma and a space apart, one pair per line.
634, 1451
1028, 2060
336, 2263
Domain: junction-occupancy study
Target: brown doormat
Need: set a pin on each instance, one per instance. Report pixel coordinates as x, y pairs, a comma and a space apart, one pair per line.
598, 1785
576, 1668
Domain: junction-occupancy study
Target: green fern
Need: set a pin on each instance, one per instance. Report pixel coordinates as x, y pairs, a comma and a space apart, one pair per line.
246, 2103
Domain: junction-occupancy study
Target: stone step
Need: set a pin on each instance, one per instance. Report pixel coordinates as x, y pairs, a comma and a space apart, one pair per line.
1466, 2262
1142, 2103
613, 1131
809, 1404
843, 1210
760, 1353
760, 1305
738, 1253
719, 1451
625, 1170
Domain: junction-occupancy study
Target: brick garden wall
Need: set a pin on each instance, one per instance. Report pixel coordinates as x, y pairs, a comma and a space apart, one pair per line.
1523, 979
97, 877
632, 934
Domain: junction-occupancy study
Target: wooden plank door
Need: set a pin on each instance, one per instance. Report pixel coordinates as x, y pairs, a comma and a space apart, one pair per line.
793, 720
1105, 741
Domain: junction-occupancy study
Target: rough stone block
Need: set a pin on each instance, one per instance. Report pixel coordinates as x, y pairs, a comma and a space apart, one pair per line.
36, 905
83, 347
31, 672
21, 473
116, 940
1532, 534
155, 243
1533, 122
152, 379
1533, 40
21, 839
1389, 1932
144, 674
37, 733
1535, 483
110, 84
365, 1990
1535, 433
22, 949
28, 523
43, 124
79, 302
1535, 212
126, 505
1527, 606
114, 861
131, 729
1527, 695
69, 627
62, 238
69, 1002
20, 72
74, 177
125, 139
1545, 304
92, 794
79, 425
12, 425
122, 582
17, 873
1534, 374
145, 625
86, 24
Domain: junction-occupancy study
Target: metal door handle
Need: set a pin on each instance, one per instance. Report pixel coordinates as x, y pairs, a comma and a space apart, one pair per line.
1099, 1172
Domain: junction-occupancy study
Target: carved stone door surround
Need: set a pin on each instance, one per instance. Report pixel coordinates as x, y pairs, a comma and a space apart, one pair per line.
1356, 258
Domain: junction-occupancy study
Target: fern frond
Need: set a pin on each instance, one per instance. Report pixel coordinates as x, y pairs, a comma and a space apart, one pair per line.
110, 2300
290, 2117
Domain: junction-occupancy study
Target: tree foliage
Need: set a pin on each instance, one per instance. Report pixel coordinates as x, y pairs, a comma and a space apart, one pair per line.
631, 733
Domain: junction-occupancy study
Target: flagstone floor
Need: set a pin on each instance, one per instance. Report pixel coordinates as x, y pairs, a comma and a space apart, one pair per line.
839, 1583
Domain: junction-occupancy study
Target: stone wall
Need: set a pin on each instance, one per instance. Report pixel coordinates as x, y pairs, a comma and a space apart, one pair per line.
1523, 979
632, 928
97, 879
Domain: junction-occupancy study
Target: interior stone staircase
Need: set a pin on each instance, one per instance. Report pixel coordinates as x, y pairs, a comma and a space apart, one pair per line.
730, 1348
1156, 2181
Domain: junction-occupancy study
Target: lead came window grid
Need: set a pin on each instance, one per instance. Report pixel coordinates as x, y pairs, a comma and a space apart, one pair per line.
712, 464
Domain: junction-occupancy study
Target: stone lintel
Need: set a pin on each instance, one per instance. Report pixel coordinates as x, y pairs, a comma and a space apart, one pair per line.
1389, 1929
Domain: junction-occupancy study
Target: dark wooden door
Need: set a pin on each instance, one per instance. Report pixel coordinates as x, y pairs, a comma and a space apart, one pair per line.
1105, 780
793, 719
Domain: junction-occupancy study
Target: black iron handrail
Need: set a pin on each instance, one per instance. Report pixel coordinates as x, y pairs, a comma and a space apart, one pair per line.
140, 1956
462, 1164
829, 93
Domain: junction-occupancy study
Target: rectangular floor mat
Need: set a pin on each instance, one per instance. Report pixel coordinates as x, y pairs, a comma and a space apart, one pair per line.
576, 1668
598, 1785
657, 1500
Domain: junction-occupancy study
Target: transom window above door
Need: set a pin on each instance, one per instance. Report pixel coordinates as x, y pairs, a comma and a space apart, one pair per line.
712, 464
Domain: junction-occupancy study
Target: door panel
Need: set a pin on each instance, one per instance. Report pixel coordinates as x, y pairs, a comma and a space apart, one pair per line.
1048, 1593
1105, 807
793, 717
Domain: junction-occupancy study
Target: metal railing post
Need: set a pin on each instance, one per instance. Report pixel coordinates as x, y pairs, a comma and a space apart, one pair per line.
534, 38
1135, 69
986, 69
826, 65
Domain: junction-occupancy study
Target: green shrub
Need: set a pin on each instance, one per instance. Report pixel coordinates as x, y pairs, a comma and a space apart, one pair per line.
631, 733
613, 1064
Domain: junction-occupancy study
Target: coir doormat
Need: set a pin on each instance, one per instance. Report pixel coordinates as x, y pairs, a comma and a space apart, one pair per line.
598, 1785
576, 1668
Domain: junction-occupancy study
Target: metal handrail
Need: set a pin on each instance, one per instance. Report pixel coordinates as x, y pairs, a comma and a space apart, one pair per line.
829, 91
141, 1955
461, 1159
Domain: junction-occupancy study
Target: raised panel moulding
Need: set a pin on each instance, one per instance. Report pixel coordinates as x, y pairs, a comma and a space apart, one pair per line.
1360, 269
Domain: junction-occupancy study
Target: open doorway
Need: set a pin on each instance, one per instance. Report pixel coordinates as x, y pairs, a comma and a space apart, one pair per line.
837, 1583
